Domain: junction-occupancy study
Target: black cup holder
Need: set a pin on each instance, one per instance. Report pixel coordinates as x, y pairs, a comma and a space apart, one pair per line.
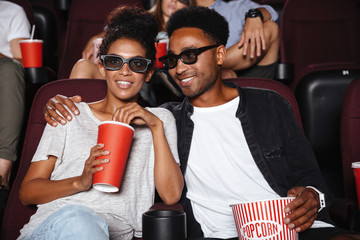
164, 225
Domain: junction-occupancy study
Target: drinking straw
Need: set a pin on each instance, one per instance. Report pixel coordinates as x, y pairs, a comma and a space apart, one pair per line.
32, 31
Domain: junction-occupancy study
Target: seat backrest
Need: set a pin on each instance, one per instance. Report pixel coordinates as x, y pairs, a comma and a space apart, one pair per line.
350, 136
319, 32
320, 96
275, 86
86, 19
16, 214
53, 31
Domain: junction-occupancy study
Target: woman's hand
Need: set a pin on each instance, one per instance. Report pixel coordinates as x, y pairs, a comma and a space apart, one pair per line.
134, 113
92, 166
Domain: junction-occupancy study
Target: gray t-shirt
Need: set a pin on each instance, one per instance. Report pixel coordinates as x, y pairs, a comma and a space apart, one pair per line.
71, 145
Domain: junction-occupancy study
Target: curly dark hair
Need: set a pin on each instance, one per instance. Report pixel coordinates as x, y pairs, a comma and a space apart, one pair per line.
132, 23
208, 20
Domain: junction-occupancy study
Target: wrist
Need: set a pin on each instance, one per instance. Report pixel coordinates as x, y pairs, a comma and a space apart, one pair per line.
77, 185
158, 126
321, 197
254, 13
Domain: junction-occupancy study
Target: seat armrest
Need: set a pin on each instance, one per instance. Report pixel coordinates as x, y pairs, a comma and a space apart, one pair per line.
163, 206
284, 72
346, 214
63, 5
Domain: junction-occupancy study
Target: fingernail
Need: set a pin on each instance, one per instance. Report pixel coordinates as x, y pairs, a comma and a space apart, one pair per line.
100, 168
63, 122
286, 210
76, 112
101, 145
54, 124
68, 118
106, 152
291, 226
105, 160
286, 220
298, 229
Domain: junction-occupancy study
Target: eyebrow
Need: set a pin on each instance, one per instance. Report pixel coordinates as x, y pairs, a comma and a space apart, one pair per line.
123, 56
183, 49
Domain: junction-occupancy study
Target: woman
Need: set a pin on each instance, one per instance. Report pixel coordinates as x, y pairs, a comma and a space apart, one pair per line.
60, 176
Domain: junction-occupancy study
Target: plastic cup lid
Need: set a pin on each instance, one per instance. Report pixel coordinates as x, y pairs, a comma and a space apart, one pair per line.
355, 165
118, 123
31, 40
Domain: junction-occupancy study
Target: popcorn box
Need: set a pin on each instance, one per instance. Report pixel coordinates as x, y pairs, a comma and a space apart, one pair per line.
263, 220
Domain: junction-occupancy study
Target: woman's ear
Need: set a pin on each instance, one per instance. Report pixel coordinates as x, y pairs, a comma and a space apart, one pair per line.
221, 54
101, 69
149, 74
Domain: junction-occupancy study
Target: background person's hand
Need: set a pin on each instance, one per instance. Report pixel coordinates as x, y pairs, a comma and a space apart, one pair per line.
253, 37
57, 103
303, 209
88, 51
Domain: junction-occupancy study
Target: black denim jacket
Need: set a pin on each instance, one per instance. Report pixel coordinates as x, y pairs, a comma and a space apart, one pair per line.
277, 143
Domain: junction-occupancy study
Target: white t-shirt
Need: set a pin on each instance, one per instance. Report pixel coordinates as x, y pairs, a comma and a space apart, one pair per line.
13, 24
71, 144
221, 170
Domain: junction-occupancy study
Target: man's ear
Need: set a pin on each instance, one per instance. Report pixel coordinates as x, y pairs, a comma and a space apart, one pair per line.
221, 54
101, 69
149, 74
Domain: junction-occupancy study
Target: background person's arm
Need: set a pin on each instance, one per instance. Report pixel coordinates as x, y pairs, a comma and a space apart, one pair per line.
15, 49
88, 51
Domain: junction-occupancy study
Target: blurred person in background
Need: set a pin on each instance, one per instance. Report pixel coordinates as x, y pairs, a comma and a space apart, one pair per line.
253, 45
14, 26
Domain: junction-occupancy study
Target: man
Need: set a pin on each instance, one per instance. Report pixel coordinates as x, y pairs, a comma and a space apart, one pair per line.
235, 144
276, 159
14, 26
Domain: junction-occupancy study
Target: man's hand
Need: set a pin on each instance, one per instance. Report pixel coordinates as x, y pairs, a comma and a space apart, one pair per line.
303, 209
253, 36
57, 103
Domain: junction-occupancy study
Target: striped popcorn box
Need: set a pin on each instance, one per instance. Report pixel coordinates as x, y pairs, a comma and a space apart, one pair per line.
263, 220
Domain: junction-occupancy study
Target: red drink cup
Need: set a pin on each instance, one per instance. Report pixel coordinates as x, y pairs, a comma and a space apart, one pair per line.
161, 49
31, 51
263, 220
117, 138
356, 167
